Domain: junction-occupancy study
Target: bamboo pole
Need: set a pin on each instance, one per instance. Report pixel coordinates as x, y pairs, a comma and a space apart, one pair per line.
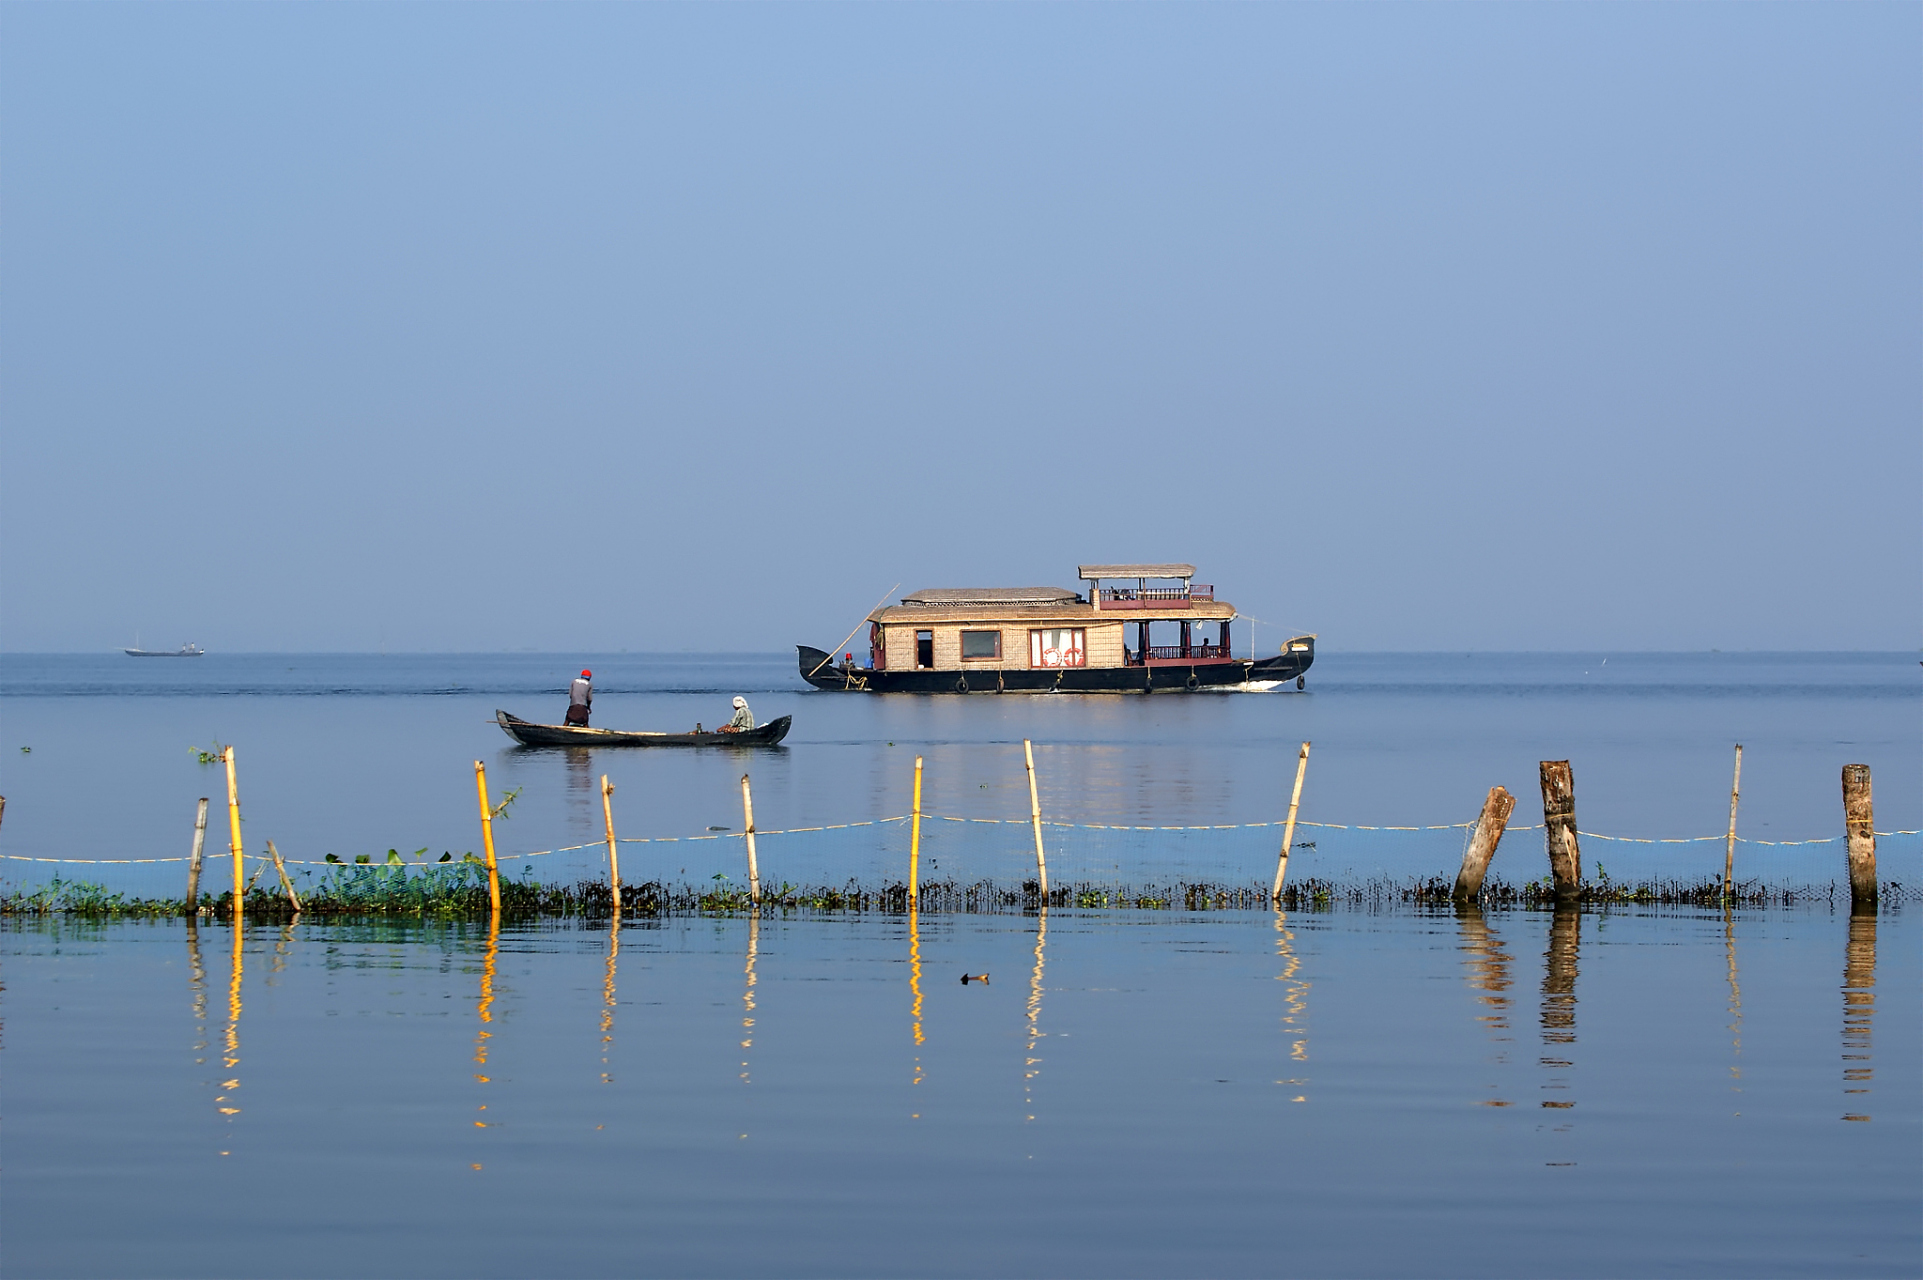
1859, 822
1559, 827
1482, 846
193, 859
914, 844
1729, 848
285, 882
1035, 813
614, 857
487, 839
233, 824
1288, 828
748, 816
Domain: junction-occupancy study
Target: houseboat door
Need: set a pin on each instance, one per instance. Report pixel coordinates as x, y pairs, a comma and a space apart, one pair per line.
925, 650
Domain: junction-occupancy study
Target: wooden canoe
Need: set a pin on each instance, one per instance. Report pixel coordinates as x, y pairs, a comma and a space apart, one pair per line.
529, 734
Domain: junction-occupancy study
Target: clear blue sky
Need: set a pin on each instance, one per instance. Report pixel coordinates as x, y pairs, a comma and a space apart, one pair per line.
328, 327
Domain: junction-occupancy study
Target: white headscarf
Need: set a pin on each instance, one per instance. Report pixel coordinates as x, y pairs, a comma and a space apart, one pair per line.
740, 701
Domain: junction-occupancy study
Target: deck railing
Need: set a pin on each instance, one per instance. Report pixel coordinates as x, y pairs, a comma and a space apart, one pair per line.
1143, 597
1175, 653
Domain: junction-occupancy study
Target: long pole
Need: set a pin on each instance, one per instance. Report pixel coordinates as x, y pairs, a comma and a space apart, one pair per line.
851, 635
614, 858
748, 817
914, 843
1035, 813
487, 839
1482, 845
1729, 849
1288, 828
286, 881
193, 859
233, 824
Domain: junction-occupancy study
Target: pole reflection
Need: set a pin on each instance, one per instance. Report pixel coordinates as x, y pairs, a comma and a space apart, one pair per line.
1735, 1004
1032, 1064
748, 992
1295, 1001
1859, 1009
914, 986
230, 1042
1559, 1004
607, 994
484, 1009
1487, 967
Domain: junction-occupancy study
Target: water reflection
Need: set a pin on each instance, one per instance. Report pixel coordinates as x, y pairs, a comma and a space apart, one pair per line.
914, 985
1487, 965
1735, 1004
1859, 1008
484, 1010
748, 992
230, 1044
1295, 1000
1559, 1004
1032, 1064
607, 994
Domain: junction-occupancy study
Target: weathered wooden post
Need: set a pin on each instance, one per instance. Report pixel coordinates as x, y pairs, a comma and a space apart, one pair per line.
914, 843
748, 815
1729, 849
487, 839
193, 859
286, 881
1288, 829
614, 858
233, 824
1559, 827
1482, 845
1859, 822
1035, 813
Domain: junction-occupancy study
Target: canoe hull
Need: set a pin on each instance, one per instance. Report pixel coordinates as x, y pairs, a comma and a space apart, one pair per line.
1162, 677
529, 734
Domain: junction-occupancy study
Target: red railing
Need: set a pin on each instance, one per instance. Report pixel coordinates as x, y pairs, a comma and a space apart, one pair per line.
1175, 653
1150, 597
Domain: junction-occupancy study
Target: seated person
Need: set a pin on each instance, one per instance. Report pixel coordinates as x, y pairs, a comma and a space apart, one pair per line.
743, 718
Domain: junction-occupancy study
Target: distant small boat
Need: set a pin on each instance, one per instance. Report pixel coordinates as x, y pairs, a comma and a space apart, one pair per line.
529, 734
185, 651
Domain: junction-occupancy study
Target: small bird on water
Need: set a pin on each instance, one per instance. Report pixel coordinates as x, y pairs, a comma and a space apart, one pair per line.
973, 977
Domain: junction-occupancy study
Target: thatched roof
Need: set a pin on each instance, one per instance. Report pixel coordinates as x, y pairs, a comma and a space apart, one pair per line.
951, 597
1090, 572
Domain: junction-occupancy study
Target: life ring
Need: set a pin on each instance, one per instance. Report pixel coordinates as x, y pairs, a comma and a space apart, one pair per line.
961, 684
1193, 684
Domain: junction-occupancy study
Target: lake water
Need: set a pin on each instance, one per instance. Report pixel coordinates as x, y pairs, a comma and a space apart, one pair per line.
1356, 1091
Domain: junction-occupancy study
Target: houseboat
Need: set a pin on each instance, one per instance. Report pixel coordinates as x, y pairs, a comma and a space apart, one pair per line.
1154, 630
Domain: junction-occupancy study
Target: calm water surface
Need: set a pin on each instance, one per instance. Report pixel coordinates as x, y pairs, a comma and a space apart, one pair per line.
1143, 1094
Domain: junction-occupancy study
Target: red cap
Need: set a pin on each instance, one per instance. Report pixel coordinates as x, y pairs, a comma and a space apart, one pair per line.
587, 675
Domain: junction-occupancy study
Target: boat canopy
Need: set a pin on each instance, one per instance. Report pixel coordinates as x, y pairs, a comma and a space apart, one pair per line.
950, 597
1096, 572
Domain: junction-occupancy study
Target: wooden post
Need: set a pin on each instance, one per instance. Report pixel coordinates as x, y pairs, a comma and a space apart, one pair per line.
1035, 812
614, 858
914, 844
193, 859
1288, 828
285, 882
1482, 845
1729, 848
487, 839
233, 824
1559, 827
1860, 823
748, 817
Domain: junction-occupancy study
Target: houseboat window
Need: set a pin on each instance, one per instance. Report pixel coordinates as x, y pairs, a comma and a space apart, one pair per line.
924, 648
981, 644
1057, 647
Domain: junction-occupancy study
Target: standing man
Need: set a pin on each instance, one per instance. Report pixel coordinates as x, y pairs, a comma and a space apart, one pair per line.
580, 699
743, 718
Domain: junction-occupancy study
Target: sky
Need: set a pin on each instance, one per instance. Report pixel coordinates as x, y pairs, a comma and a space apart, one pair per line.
685, 327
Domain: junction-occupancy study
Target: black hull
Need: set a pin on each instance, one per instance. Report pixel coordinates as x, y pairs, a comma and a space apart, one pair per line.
561, 735
1171, 677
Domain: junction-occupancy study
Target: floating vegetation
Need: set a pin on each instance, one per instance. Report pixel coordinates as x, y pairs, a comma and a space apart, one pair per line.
451, 889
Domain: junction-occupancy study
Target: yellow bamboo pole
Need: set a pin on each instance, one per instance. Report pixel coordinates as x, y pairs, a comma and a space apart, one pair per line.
614, 858
1288, 829
233, 826
748, 816
1729, 849
914, 843
487, 838
1035, 813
